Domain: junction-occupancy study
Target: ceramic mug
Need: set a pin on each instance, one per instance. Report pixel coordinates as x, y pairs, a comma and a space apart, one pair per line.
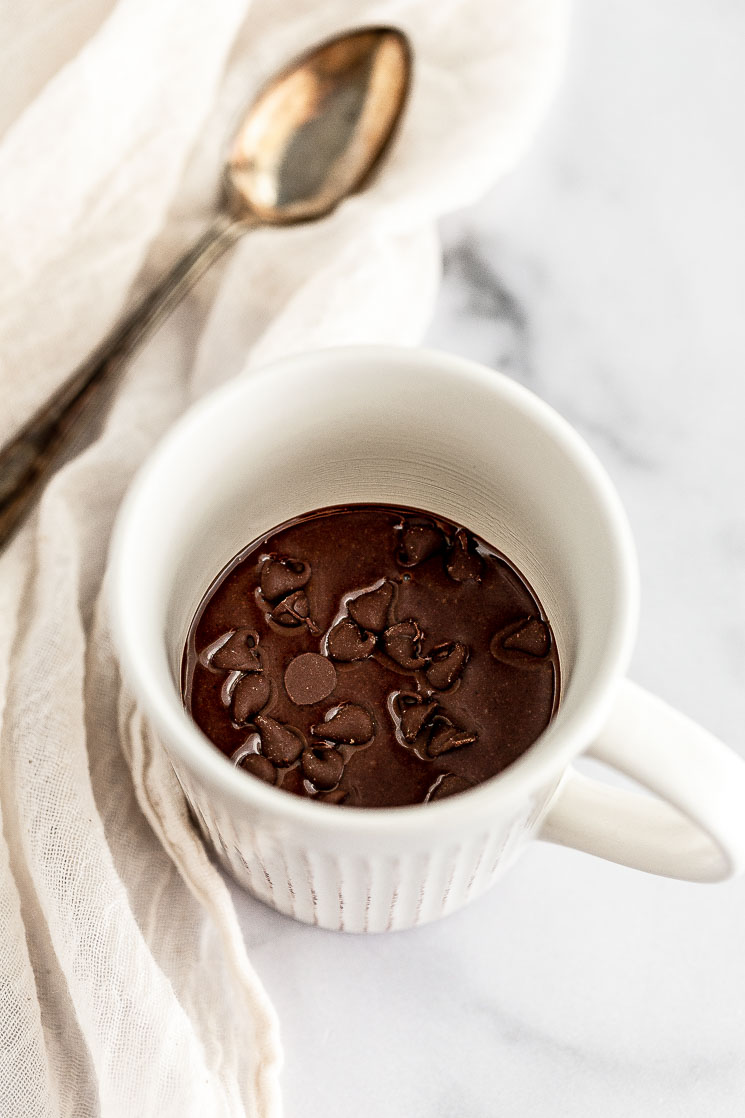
431, 431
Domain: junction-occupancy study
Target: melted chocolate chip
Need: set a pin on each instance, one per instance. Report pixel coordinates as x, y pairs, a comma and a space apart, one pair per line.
402, 643
370, 610
259, 766
447, 784
293, 611
418, 541
281, 744
415, 719
414, 713
250, 695
522, 643
445, 737
293, 781
447, 662
238, 654
338, 796
279, 576
323, 766
347, 642
349, 724
463, 564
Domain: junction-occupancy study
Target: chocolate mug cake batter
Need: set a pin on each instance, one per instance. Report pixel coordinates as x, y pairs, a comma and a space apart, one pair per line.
371, 656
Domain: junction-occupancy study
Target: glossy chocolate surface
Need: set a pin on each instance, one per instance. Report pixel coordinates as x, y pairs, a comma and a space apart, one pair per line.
371, 656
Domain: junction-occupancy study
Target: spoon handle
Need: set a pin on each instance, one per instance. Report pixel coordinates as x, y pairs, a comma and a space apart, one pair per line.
32, 455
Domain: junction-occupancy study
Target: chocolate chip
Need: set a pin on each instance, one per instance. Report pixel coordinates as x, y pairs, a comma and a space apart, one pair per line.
280, 575
347, 642
293, 611
281, 744
463, 563
418, 541
323, 767
402, 643
250, 695
447, 662
291, 780
370, 610
349, 724
259, 766
338, 796
524, 642
448, 784
414, 713
238, 653
532, 638
445, 737
309, 678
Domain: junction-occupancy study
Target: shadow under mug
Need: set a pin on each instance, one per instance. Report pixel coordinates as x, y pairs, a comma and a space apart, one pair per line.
431, 431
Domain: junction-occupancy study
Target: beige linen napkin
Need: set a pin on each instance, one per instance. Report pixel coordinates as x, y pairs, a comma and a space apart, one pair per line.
124, 984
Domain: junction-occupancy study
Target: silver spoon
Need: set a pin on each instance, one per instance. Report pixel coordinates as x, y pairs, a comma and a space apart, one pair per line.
314, 135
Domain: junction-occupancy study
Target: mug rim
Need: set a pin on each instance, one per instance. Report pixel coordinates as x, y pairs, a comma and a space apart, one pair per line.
553, 749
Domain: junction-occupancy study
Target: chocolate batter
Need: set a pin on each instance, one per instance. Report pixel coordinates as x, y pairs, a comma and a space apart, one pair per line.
371, 656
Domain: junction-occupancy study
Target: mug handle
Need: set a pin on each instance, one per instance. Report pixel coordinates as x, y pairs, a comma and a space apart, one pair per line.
693, 828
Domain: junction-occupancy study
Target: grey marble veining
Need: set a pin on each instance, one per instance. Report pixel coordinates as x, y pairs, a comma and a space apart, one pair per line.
476, 304
606, 274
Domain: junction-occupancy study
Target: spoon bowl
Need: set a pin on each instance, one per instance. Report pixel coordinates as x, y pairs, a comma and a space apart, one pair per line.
318, 130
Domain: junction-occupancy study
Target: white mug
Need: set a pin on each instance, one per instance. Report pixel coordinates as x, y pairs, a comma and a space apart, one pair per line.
435, 432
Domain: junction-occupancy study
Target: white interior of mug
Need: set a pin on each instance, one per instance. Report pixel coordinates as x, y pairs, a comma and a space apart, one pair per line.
376, 424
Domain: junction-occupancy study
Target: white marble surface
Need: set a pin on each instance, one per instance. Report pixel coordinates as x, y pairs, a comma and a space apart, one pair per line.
607, 275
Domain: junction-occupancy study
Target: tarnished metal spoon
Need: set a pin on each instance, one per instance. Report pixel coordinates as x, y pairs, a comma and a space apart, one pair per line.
314, 135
